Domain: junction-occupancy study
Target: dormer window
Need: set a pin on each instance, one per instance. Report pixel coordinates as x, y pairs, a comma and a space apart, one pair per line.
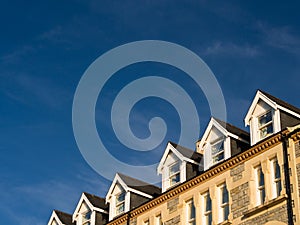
86, 217
120, 203
178, 164
265, 124
217, 150
174, 173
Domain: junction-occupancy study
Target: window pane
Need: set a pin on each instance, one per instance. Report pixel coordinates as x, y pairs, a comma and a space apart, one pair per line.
218, 157
218, 147
226, 212
261, 177
266, 130
224, 194
120, 208
120, 197
277, 169
265, 118
174, 168
175, 179
87, 216
209, 219
208, 203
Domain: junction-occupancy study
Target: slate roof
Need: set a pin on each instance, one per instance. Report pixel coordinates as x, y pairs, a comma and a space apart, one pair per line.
234, 130
65, 218
96, 201
186, 152
140, 185
281, 102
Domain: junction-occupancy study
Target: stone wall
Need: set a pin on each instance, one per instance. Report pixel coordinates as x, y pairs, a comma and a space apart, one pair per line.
237, 172
172, 205
173, 221
240, 200
298, 176
277, 214
297, 149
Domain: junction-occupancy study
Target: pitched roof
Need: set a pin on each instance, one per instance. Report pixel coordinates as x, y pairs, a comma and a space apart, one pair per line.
281, 102
140, 185
186, 152
234, 130
65, 218
96, 201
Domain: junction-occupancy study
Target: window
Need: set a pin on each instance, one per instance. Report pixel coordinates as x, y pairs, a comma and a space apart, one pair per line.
217, 151
265, 124
191, 214
120, 203
260, 186
276, 178
158, 220
174, 174
207, 216
223, 203
86, 217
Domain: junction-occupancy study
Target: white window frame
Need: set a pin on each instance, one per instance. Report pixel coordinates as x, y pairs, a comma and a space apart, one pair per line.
223, 205
265, 125
86, 221
158, 220
119, 203
190, 207
174, 174
260, 188
207, 213
276, 181
218, 152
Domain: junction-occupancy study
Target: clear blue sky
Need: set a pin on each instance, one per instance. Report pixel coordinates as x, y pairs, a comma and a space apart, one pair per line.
47, 45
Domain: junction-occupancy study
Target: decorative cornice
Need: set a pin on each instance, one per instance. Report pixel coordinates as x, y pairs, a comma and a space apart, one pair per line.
296, 136
209, 174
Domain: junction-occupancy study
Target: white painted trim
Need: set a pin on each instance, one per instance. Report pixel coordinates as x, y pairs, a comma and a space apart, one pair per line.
116, 180
83, 198
289, 111
54, 217
140, 193
257, 97
182, 158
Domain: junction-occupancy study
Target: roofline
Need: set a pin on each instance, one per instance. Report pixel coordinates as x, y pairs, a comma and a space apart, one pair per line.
169, 148
260, 95
256, 149
90, 205
125, 187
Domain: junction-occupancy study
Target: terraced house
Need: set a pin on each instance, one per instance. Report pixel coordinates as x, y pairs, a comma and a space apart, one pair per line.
232, 177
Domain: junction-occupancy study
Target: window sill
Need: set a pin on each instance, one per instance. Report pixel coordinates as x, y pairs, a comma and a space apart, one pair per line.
226, 222
265, 206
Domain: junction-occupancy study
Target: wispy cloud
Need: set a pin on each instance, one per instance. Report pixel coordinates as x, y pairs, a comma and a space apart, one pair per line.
280, 37
17, 55
19, 87
221, 48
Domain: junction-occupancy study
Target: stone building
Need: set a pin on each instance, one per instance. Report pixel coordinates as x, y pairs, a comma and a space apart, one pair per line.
233, 177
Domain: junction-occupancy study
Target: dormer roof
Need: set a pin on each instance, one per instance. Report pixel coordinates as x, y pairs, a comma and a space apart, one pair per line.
273, 102
130, 184
61, 218
183, 153
226, 129
95, 203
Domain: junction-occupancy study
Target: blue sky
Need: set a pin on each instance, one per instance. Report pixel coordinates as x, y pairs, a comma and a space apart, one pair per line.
47, 46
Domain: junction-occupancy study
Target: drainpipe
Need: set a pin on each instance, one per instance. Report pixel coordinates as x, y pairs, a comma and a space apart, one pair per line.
128, 218
285, 139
